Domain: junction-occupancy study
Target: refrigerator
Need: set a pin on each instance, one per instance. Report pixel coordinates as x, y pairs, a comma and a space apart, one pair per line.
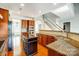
10, 46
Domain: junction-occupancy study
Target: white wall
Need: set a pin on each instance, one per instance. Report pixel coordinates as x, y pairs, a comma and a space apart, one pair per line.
39, 21
74, 27
38, 24
74, 20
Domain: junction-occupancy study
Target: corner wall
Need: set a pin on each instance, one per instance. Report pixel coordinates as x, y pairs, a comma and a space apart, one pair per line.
74, 27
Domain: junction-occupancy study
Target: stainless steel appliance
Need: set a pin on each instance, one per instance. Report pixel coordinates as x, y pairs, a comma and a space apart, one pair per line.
10, 47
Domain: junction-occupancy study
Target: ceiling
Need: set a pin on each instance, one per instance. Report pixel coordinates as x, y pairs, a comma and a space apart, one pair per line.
31, 9
65, 12
62, 10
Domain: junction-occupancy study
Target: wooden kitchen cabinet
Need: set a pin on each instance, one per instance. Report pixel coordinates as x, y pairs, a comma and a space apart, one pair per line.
27, 23
4, 23
4, 29
51, 39
39, 38
28, 27
45, 39
31, 22
25, 34
4, 13
24, 23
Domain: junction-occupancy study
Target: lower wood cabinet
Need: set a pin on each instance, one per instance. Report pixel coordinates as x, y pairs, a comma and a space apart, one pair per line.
51, 39
40, 39
45, 39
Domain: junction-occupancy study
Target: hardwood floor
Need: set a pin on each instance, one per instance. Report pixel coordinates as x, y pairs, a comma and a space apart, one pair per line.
42, 51
22, 50
10, 53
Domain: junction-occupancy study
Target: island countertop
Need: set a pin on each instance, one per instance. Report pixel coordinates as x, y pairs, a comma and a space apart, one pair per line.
64, 47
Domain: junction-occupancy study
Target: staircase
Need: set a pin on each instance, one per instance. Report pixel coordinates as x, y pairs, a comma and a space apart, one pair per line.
48, 19
51, 23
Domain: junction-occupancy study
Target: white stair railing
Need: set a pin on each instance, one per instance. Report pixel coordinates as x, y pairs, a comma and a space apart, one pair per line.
53, 24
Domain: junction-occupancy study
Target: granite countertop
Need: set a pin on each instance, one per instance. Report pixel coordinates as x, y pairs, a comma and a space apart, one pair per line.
63, 47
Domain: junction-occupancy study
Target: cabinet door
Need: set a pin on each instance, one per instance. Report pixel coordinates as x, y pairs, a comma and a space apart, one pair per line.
44, 40
4, 14
51, 39
22, 23
4, 23
31, 22
39, 39
26, 23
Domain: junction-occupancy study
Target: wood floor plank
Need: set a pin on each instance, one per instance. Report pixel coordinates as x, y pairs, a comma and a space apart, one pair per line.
42, 51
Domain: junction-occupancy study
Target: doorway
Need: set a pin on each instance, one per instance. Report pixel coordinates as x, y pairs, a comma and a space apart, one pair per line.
66, 26
16, 36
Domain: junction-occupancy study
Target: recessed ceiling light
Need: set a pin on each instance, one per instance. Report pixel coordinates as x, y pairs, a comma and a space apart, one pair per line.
22, 4
40, 11
54, 3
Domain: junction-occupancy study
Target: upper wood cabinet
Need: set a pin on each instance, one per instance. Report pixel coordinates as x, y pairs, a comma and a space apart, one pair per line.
28, 26
4, 22
4, 16
27, 23
31, 23
24, 24
4, 13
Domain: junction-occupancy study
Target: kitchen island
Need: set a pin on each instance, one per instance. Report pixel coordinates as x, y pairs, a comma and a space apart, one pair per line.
29, 45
